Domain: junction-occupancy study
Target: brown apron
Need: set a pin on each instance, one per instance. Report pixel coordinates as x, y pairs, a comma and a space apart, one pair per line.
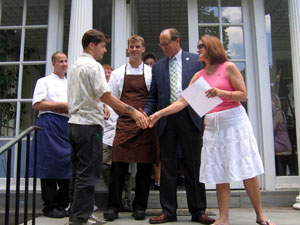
131, 143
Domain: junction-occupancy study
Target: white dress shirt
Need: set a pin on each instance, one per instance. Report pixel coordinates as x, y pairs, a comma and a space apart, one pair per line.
51, 88
178, 62
110, 128
116, 81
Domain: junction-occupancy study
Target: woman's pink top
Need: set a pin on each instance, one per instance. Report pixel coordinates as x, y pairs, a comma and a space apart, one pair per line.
220, 80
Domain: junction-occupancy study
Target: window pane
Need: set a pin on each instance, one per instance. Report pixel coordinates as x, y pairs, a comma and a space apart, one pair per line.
37, 12
3, 161
102, 20
12, 12
232, 11
28, 116
214, 31
242, 68
30, 75
8, 82
233, 41
281, 77
67, 25
7, 119
10, 41
208, 11
35, 44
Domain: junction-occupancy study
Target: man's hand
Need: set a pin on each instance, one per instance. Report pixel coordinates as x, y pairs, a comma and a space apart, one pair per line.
153, 119
106, 112
140, 119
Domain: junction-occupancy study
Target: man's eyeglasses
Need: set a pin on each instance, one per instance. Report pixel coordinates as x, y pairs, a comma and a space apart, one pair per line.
165, 44
200, 46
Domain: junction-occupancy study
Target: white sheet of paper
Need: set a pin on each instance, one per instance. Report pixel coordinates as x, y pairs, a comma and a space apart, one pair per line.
195, 96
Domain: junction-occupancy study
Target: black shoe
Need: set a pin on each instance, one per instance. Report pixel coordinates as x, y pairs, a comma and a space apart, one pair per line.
110, 215
156, 187
65, 212
180, 181
139, 214
54, 213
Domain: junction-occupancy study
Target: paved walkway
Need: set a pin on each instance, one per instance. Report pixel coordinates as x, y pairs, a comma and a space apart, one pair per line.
238, 216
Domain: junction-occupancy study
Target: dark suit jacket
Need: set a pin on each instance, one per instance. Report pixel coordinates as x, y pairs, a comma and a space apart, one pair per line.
159, 96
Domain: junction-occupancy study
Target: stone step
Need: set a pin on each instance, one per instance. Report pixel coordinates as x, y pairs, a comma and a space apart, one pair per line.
239, 199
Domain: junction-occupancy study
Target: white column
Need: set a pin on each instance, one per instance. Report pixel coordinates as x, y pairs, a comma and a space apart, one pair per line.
55, 31
294, 12
262, 78
119, 33
81, 21
192, 8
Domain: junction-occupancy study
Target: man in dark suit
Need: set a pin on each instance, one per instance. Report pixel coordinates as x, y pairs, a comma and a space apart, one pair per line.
170, 76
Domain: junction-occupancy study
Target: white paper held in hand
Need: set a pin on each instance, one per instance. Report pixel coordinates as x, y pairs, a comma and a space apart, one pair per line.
195, 96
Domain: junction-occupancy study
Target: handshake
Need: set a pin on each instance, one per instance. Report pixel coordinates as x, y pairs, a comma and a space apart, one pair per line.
143, 121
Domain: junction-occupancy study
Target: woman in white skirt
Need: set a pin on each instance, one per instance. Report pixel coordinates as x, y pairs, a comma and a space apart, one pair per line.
229, 151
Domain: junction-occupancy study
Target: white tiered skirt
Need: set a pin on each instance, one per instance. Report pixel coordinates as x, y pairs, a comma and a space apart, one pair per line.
229, 152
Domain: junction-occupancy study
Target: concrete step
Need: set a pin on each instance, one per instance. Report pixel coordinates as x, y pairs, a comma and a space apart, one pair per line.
239, 198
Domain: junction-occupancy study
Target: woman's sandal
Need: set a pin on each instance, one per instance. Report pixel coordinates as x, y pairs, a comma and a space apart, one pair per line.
263, 222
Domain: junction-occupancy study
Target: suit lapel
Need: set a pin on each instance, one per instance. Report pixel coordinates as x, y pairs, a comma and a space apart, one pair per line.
166, 71
185, 64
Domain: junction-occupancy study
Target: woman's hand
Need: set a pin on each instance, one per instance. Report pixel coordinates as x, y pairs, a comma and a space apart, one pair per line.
140, 119
153, 119
213, 92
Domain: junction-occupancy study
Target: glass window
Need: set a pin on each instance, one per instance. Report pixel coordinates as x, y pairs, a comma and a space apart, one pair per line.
281, 77
66, 26
14, 67
209, 30
28, 116
232, 11
233, 41
242, 68
31, 74
3, 161
12, 12
35, 44
8, 119
37, 12
9, 81
208, 11
102, 20
232, 36
10, 42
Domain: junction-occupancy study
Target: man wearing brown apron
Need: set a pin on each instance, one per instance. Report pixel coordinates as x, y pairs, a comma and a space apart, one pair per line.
131, 83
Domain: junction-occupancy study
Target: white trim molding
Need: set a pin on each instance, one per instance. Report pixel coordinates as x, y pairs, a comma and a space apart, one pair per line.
264, 105
294, 12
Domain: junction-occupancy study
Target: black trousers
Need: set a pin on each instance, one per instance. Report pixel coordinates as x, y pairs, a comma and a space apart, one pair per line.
180, 129
117, 179
86, 158
55, 193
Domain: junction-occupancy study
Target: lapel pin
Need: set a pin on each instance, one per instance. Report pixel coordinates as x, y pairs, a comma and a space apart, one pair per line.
187, 59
